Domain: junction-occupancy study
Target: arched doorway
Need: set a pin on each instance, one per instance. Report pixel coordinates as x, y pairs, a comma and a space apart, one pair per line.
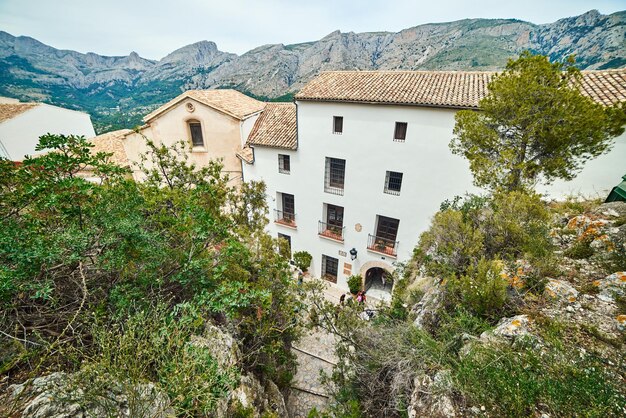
377, 279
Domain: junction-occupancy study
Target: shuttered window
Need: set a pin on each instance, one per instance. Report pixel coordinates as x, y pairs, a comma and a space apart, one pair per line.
284, 164
337, 124
195, 128
400, 132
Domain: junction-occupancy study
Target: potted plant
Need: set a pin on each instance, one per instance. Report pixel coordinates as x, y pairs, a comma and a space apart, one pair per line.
303, 260
354, 283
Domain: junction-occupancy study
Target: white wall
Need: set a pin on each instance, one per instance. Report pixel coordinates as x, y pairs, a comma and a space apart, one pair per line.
431, 174
597, 177
369, 150
21, 134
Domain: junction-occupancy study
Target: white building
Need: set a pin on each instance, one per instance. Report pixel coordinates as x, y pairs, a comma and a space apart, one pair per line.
21, 125
360, 163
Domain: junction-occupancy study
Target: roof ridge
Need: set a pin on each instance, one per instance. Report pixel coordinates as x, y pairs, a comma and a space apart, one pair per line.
408, 71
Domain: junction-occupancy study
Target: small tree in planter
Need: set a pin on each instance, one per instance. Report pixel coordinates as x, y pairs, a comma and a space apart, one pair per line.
302, 260
354, 283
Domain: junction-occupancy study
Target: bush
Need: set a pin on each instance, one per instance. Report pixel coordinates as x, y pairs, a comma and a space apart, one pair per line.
302, 259
519, 382
354, 283
152, 345
581, 249
518, 226
482, 290
450, 245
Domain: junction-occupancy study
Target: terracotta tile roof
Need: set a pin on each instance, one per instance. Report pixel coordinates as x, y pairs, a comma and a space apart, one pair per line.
276, 127
112, 142
454, 89
606, 87
246, 154
11, 110
231, 102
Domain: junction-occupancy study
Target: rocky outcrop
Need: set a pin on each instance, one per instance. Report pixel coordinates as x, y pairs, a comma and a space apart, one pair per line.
433, 397
61, 395
57, 396
426, 309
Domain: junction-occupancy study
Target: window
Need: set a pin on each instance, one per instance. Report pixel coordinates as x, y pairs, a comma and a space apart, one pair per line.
195, 129
286, 214
332, 226
284, 164
387, 228
334, 215
393, 183
287, 239
330, 267
385, 239
400, 132
337, 124
334, 176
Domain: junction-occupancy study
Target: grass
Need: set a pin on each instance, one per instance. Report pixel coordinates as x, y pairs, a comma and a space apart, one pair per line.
516, 382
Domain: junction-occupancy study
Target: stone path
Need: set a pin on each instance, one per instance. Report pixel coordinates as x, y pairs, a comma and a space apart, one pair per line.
315, 353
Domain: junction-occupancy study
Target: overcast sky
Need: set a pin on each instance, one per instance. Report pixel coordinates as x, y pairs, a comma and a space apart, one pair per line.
154, 28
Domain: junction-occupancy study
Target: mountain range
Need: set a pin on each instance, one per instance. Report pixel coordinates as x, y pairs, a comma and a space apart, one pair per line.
118, 91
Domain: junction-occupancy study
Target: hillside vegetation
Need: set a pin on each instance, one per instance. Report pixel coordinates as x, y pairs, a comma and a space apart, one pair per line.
155, 298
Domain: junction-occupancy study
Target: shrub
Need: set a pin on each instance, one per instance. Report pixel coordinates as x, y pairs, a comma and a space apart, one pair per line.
153, 345
482, 290
517, 226
450, 245
302, 259
581, 249
354, 283
519, 382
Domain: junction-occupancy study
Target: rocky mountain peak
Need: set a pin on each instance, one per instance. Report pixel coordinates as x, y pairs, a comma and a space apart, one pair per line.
34, 69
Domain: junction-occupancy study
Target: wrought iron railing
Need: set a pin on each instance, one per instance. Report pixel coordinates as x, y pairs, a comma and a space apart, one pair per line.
382, 245
330, 231
284, 218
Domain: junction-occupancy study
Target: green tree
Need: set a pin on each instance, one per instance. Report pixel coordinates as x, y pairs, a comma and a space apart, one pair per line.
74, 254
534, 125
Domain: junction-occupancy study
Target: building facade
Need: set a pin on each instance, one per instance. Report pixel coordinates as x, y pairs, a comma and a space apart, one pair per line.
21, 125
356, 168
213, 123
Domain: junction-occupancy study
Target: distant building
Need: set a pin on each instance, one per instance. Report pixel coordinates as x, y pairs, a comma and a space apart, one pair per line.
21, 125
356, 168
214, 123
110, 143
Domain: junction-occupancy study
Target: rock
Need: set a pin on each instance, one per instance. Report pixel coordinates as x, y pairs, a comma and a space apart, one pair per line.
611, 210
251, 395
58, 396
432, 397
561, 291
612, 285
509, 328
275, 400
426, 310
221, 346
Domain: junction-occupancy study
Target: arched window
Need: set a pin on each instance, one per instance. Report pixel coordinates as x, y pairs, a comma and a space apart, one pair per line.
195, 130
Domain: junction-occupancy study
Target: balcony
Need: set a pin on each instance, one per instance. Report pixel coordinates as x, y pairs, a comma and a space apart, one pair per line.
329, 231
285, 218
382, 245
